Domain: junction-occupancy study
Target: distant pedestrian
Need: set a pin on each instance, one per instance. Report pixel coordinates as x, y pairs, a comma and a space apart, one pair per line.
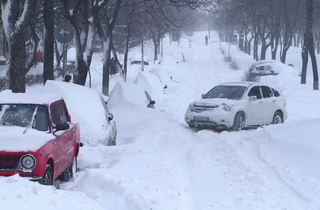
113, 66
206, 38
40, 56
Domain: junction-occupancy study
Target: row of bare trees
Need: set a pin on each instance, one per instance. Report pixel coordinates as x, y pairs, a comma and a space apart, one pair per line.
35, 20
275, 25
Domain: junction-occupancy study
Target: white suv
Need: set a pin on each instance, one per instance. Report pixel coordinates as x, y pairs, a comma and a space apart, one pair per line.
237, 105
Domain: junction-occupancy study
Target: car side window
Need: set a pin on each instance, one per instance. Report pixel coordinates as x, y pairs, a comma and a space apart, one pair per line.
266, 91
42, 120
275, 92
255, 91
62, 111
54, 114
260, 68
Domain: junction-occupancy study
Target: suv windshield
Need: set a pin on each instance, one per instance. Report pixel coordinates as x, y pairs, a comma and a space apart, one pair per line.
225, 91
21, 115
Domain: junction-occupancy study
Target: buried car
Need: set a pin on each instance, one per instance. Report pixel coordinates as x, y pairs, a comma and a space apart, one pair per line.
88, 108
38, 140
264, 70
237, 105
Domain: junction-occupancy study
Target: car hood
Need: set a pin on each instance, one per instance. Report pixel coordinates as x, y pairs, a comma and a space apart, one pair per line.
12, 139
213, 102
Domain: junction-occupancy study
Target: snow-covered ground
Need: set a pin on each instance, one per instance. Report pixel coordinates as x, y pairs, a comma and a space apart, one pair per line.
159, 163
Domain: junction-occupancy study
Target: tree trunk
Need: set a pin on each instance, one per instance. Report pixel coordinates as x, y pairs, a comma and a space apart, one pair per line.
49, 41
107, 38
106, 66
17, 63
304, 55
314, 64
264, 48
309, 48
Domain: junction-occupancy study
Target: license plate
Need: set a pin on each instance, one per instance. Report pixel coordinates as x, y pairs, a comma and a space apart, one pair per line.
201, 119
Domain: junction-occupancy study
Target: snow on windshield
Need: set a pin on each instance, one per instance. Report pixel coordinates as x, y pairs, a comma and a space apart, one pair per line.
22, 115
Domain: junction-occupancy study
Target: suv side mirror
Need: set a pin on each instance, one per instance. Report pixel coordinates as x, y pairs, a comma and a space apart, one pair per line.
252, 98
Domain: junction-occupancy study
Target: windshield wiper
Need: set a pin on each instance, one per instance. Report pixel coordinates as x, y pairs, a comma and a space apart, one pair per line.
32, 119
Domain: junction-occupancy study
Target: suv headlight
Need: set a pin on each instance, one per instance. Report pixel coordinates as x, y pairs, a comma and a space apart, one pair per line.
191, 107
226, 107
28, 162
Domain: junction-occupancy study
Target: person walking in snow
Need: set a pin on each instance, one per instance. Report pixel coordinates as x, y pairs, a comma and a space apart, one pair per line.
113, 66
206, 38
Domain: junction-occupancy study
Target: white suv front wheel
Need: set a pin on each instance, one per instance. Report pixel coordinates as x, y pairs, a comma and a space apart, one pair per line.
239, 121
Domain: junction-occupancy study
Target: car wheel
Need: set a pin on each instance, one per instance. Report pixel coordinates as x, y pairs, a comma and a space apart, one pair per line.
47, 178
239, 121
277, 118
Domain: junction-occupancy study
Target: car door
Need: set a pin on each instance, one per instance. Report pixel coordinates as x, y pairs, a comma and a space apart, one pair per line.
68, 140
268, 103
255, 109
57, 153
61, 146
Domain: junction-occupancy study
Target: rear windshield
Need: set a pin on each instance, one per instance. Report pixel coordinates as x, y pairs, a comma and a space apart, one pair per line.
225, 91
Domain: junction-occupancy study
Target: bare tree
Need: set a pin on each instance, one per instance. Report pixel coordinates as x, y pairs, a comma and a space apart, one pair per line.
308, 48
17, 20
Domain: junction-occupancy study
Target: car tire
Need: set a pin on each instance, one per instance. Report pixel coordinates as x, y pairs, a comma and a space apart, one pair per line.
239, 121
47, 178
277, 118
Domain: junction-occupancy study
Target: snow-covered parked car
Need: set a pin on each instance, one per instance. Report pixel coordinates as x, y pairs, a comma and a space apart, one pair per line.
87, 107
38, 140
237, 105
264, 70
271, 67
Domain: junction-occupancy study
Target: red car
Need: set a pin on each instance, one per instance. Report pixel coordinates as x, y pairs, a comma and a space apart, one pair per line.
37, 137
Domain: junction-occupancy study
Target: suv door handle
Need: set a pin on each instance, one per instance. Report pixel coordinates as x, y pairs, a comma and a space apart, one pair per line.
65, 135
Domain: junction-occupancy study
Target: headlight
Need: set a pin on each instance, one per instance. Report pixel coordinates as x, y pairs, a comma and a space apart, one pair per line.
226, 107
28, 161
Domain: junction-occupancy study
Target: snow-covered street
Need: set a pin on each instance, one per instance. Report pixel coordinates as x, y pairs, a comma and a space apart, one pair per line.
160, 163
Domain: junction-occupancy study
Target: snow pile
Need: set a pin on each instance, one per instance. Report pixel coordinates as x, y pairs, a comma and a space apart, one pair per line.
130, 95
168, 61
150, 83
17, 193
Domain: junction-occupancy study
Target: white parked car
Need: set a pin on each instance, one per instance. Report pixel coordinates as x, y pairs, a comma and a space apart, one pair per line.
237, 105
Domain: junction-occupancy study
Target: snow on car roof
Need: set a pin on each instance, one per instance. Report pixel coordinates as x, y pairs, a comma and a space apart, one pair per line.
246, 84
27, 98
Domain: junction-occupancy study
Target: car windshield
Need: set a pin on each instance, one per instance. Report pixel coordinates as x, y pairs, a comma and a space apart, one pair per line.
22, 115
226, 91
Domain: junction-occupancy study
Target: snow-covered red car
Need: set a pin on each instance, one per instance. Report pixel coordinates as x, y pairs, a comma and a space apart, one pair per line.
38, 140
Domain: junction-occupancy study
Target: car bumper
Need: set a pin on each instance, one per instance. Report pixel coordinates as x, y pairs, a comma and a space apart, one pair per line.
217, 119
28, 175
